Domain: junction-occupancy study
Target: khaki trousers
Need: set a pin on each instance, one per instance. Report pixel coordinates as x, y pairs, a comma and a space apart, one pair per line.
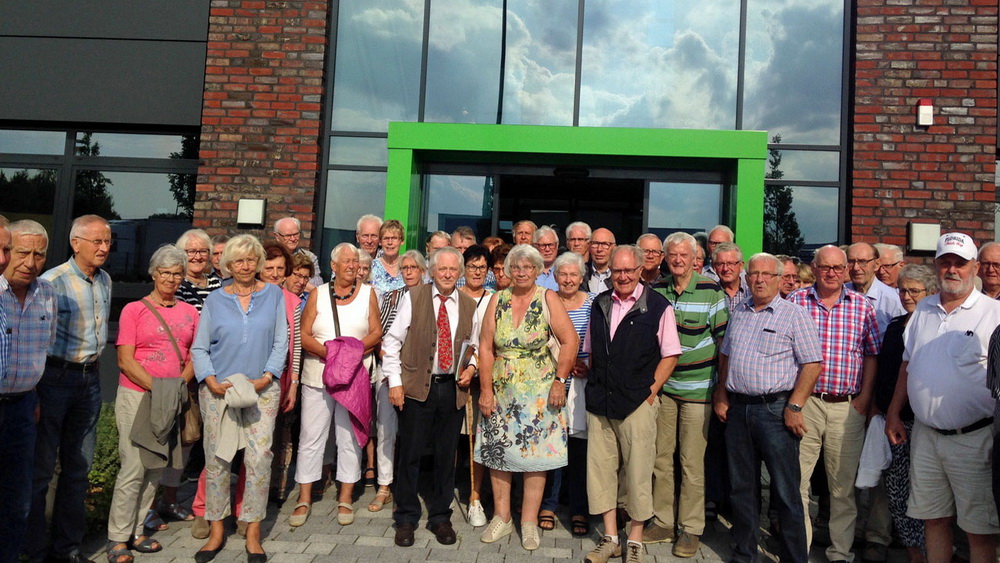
136, 485
626, 443
839, 431
683, 426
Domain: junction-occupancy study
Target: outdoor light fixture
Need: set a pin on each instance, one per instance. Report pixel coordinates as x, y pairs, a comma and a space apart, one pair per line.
923, 236
925, 113
250, 214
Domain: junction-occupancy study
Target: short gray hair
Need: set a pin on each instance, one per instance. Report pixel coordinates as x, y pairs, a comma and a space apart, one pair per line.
636, 252
366, 218
436, 255
298, 224
779, 266
197, 234
84, 221
884, 250
365, 259
679, 237
523, 253
241, 246
728, 247
167, 256
30, 228
729, 232
645, 236
542, 231
578, 225
340, 249
921, 274
417, 258
569, 259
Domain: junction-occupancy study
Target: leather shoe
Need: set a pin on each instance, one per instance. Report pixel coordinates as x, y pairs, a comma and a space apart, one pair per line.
444, 533
74, 558
404, 535
206, 555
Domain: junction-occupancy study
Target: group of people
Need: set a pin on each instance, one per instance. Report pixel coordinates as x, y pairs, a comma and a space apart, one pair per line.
647, 383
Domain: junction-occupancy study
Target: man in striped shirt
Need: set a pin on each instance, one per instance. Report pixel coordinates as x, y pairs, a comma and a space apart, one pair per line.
835, 414
685, 404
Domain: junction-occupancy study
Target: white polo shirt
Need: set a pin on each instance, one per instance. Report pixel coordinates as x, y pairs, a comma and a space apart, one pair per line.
947, 361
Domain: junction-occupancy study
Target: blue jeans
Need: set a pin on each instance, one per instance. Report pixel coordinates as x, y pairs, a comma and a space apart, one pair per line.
755, 433
17, 446
70, 403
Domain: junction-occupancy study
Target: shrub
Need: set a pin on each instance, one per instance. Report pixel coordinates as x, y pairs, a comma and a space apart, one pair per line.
104, 471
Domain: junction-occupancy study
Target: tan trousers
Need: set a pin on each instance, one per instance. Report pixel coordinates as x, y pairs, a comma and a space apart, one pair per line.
839, 431
626, 443
136, 485
680, 425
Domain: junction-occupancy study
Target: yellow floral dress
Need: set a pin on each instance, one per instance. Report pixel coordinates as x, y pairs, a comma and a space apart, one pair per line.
524, 433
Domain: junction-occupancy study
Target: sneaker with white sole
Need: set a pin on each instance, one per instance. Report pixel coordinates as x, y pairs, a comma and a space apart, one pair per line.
477, 515
529, 536
605, 550
497, 529
634, 553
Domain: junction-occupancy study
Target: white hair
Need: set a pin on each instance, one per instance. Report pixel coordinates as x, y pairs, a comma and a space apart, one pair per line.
298, 224
579, 225
340, 249
542, 231
196, 234
366, 218
679, 237
84, 221
167, 256
437, 254
30, 228
724, 229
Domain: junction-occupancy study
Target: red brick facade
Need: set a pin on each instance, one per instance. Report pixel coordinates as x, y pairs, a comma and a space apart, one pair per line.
947, 52
261, 127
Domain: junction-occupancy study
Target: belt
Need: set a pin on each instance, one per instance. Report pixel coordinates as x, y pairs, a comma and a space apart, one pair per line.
60, 363
12, 397
759, 399
443, 378
982, 423
831, 398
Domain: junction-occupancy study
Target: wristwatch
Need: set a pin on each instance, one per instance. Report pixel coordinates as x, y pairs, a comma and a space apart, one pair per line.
793, 407
561, 380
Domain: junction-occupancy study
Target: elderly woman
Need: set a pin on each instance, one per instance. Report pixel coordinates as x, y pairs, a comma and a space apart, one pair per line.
356, 317
499, 257
365, 267
240, 349
385, 269
914, 283
298, 280
154, 342
199, 280
523, 392
570, 270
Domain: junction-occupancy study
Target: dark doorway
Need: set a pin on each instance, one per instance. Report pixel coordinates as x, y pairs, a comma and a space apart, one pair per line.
613, 203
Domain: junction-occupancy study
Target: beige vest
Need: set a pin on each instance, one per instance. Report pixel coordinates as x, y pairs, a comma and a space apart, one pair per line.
417, 355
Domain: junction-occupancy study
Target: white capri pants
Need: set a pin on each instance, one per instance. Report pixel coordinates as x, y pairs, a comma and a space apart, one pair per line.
385, 428
318, 409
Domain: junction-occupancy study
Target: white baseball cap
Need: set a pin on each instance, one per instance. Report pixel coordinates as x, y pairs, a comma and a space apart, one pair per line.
959, 244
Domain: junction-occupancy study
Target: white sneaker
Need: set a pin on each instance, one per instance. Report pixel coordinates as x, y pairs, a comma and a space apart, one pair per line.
497, 529
477, 515
529, 536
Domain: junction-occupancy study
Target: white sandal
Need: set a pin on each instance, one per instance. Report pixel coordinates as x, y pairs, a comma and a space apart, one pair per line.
296, 520
345, 519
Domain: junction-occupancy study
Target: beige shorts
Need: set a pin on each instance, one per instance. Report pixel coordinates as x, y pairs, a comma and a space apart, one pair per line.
633, 441
952, 475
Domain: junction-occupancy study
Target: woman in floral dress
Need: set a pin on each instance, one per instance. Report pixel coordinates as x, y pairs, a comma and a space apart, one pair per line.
523, 392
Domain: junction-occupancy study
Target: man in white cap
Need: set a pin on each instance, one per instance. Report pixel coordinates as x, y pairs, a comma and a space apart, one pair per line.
944, 376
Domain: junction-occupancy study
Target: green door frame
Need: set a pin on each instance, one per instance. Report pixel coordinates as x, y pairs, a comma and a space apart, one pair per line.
741, 154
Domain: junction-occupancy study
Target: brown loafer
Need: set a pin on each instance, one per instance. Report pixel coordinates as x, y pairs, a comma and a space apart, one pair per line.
444, 533
404, 535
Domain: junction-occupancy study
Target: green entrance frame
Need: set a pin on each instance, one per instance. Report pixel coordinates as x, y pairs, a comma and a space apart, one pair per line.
741, 155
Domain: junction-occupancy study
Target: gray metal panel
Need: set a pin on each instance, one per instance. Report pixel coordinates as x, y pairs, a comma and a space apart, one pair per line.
109, 81
179, 20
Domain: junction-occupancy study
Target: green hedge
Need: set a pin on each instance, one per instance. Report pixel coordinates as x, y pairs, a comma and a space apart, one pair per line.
104, 471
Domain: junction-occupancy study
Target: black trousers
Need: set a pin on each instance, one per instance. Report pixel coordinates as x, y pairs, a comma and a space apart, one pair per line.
437, 422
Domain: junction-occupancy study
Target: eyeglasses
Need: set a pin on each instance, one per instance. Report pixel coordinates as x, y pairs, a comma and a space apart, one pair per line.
624, 271
294, 235
169, 275
368, 237
727, 264
409, 268
863, 262
911, 292
516, 269
839, 270
790, 277
576, 240
299, 276
245, 263
988, 265
391, 238
480, 268
545, 245
197, 252
601, 244
97, 242
652, 252
766, 276
885, 266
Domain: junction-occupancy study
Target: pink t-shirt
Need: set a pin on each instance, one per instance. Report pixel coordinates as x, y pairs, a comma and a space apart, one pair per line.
138, 327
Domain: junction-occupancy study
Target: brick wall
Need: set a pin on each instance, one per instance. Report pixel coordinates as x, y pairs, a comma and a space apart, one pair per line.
944, 50
260, 125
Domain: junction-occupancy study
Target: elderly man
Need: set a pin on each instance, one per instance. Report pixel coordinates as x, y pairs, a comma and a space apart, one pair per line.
27, 329
288, 233
69, 393
862, 262
546, 241
718, 235
420, 367
598, 276
633, 346
891, 261
463, 237
524, 231
989, 269
366, 233
789, 277
835, 413
728, 264
652, 257
944, 377
682, 420
578, 236
436, 241
768, 364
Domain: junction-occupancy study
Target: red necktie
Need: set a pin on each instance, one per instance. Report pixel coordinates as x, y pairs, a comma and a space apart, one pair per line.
444, 338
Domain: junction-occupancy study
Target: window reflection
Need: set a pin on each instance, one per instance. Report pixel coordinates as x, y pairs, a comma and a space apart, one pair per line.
378, 64
125, 144
675, 206
32, 142
660, 63
27, 193
808, 165
363, 151
794, 69
454, 201
816, 211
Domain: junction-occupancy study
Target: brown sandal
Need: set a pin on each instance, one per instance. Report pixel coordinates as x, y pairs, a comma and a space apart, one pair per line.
382, 497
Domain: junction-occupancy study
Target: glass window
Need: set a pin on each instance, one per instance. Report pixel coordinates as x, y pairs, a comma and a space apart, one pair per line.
349, 195
142, 146
27, 193
144, 210
811, 212
463, 61
675, 206
358, 151
794, 69
378, 64
32, 142
540, 64
660, 63
803, 165
453, 201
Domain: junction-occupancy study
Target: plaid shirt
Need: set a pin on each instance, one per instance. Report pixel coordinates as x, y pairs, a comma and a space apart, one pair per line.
766, 347
84, 312
31, 330
849, 332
